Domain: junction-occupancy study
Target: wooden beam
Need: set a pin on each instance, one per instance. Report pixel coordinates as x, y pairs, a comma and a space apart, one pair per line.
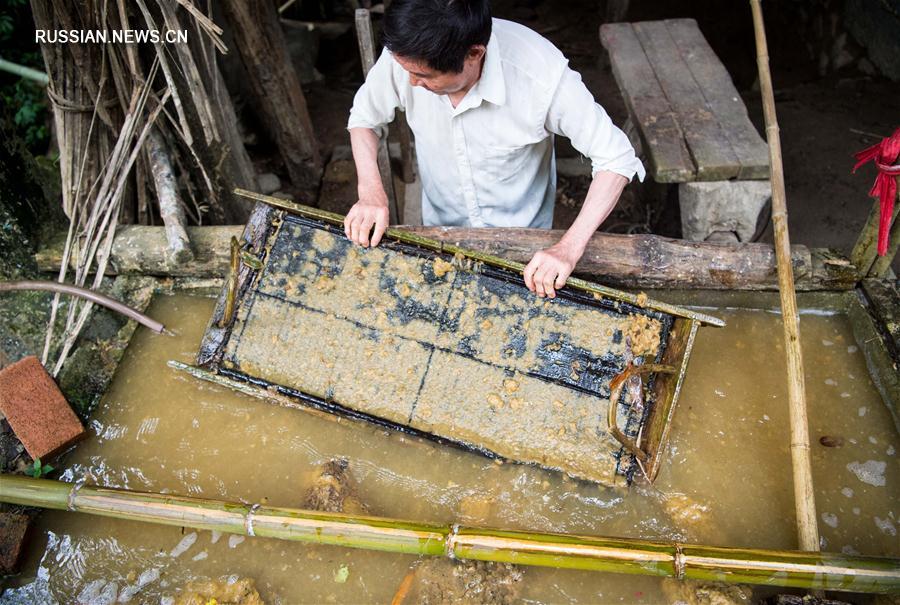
882, 265
631, 261
616, 10
170, 208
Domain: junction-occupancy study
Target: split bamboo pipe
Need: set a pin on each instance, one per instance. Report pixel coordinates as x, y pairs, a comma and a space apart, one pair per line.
828, 571
91, 295
804, 496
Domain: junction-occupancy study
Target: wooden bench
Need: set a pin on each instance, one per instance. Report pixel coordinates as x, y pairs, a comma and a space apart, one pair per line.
693, 126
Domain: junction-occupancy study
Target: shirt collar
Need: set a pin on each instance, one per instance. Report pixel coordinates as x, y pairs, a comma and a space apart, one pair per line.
491, 85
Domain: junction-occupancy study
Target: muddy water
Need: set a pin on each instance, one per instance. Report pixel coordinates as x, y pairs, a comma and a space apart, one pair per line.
726, 480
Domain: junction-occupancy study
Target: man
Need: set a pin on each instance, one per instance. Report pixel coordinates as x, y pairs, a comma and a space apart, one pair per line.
484, 98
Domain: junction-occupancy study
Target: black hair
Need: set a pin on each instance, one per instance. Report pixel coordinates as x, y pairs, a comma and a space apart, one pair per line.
438, 32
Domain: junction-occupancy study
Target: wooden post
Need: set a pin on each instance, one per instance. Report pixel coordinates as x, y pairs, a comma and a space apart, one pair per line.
406, 156
804, 496
865, 252
367, 53
276, 86
882, 264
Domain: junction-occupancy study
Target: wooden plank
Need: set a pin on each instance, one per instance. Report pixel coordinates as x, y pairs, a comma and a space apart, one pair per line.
253, 238
634, 261
666, 389
709, 146
661, 135
722, 98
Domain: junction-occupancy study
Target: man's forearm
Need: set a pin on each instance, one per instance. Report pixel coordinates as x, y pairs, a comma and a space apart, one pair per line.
364, 143
601, 198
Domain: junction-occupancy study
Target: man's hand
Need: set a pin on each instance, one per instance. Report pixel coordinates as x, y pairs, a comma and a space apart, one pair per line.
549, 269
371, 210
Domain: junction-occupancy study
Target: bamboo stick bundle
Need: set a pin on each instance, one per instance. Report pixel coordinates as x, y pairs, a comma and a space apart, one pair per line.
840, 572
804, 496
105, 97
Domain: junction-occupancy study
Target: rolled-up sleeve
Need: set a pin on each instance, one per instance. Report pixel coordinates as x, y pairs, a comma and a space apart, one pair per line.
377, 99
573, 113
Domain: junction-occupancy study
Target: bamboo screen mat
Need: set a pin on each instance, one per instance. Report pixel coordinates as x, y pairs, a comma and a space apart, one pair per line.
443, 346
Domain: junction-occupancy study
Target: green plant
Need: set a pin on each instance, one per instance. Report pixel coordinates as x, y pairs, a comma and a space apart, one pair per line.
30, 107
39, 470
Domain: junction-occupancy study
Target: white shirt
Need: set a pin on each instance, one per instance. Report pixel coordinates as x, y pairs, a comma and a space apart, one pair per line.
489, 162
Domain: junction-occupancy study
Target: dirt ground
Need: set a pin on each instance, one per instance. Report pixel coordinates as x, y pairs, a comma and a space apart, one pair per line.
823, 119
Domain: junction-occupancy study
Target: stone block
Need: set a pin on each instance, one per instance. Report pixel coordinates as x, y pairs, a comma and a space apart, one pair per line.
36, 410
711, 206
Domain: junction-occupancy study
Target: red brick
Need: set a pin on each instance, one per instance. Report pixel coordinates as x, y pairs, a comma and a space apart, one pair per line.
36, 410
12, 538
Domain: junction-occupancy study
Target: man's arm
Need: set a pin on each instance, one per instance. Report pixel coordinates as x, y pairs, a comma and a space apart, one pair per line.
550, 268
373, 107
372, 207
574, 114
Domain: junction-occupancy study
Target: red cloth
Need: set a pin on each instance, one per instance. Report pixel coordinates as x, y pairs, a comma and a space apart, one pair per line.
884, 154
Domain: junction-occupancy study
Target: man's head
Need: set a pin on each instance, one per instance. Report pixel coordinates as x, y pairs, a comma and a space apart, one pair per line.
441, 43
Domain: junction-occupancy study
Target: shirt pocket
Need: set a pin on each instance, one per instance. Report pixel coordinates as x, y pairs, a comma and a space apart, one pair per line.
502, 163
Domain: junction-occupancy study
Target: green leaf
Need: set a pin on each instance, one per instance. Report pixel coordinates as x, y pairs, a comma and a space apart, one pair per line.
46, 469
6, 25
341, 575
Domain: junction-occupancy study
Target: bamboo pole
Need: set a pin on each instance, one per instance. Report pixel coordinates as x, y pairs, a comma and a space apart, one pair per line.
488, 259
804, 497
25, 72
829, 571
